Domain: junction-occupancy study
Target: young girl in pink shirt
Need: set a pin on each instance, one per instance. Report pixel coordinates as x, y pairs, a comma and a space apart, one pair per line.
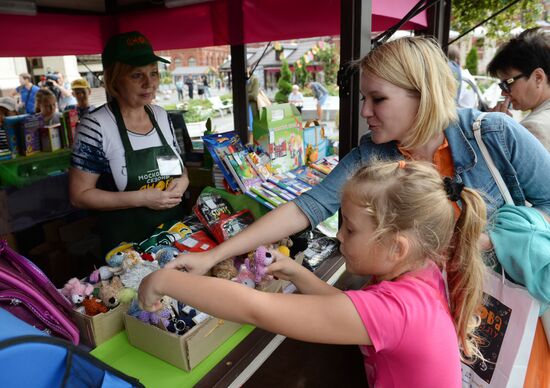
398, 226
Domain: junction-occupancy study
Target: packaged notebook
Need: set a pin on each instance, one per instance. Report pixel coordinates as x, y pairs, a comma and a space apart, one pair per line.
290, 182
219, 145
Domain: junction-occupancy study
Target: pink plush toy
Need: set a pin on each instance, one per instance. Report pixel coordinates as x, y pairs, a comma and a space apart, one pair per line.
258, 266
76, 291
245, 276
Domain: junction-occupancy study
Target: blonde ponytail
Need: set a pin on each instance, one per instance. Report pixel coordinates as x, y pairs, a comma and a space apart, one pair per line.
465, 270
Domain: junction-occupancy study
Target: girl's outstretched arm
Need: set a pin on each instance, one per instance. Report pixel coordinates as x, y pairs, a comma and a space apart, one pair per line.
305, 281
330, 319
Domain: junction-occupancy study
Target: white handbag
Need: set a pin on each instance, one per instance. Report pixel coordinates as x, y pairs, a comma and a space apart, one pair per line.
509, 317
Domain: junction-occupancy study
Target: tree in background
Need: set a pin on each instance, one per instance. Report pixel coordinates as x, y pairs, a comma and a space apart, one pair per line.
468, 13
471, 61
302, 76
284, 84
326, 54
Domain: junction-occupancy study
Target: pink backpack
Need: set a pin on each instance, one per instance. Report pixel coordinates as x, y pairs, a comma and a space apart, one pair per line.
27, 293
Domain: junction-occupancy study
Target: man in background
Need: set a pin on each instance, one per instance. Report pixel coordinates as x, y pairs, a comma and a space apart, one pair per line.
27, 93
81, 91
321, 95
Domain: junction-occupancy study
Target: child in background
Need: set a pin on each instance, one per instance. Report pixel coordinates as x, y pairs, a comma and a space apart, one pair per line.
47, 105
399, 226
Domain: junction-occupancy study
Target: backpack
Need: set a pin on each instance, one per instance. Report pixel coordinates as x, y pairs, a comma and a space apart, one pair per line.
30, 358
27, 293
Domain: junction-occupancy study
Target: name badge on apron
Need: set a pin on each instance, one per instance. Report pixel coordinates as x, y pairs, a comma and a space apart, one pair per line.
169, 165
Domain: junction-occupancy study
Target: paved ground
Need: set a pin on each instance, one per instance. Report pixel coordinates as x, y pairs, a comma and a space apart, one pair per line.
167, 97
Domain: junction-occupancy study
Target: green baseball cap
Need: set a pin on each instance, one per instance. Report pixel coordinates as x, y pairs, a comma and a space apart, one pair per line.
131, 48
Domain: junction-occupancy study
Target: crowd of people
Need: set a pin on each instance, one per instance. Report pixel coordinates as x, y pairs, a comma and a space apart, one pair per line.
416, 196
52, 96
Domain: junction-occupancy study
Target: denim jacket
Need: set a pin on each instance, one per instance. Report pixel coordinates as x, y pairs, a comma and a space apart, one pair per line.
521, 159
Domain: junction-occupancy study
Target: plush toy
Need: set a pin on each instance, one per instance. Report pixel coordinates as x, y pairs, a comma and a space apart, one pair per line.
132, 278
182, 322
76, 291
108, 293
115, 256
225, 269
166, 255
94, 306
161, 317
245, 276
258, 263
104, 273
126, 295
284, 246
130, 260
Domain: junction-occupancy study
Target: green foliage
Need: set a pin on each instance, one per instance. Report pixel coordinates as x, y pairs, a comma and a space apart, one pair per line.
471, 61
284, 83
330, 60
198, 110
468, 13
302, 75
333, 89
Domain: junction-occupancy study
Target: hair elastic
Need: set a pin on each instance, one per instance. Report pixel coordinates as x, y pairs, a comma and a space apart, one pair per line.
402, 164
452, 188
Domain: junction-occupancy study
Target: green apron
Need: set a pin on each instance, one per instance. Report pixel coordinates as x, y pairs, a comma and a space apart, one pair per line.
137, 224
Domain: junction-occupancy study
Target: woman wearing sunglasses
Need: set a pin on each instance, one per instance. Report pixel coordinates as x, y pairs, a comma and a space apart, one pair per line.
523, 66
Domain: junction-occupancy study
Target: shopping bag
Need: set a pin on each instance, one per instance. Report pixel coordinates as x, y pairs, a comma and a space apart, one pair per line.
509, 318
315, 141
262, 100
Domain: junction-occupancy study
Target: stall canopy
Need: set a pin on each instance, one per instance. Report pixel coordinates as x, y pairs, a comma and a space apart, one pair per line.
212, 23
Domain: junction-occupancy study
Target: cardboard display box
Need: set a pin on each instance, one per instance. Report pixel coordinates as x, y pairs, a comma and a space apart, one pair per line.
279, 131
183, 351
99, 328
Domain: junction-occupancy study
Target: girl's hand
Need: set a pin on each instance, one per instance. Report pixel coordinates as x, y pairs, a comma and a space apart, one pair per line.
159, 200
197, 263
283, 266
149, 299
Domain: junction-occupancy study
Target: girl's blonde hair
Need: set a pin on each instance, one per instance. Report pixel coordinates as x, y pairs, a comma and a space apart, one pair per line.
410, 199
418, 65
112, 75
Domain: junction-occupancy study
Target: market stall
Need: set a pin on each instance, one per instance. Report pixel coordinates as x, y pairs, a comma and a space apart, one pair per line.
86, 33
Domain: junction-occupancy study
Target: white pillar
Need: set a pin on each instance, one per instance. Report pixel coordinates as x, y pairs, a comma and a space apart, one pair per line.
10, 68
66, 64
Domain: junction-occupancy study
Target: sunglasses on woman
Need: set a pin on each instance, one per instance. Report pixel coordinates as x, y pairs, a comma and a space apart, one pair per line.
506, 85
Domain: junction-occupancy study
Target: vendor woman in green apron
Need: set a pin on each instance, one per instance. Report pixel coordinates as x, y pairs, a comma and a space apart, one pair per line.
125, 160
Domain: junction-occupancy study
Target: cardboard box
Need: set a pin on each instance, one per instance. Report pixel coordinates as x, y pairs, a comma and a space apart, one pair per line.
69, 121
99, 328
12, 125
29, 134
50, 138
278, 131
183, 351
